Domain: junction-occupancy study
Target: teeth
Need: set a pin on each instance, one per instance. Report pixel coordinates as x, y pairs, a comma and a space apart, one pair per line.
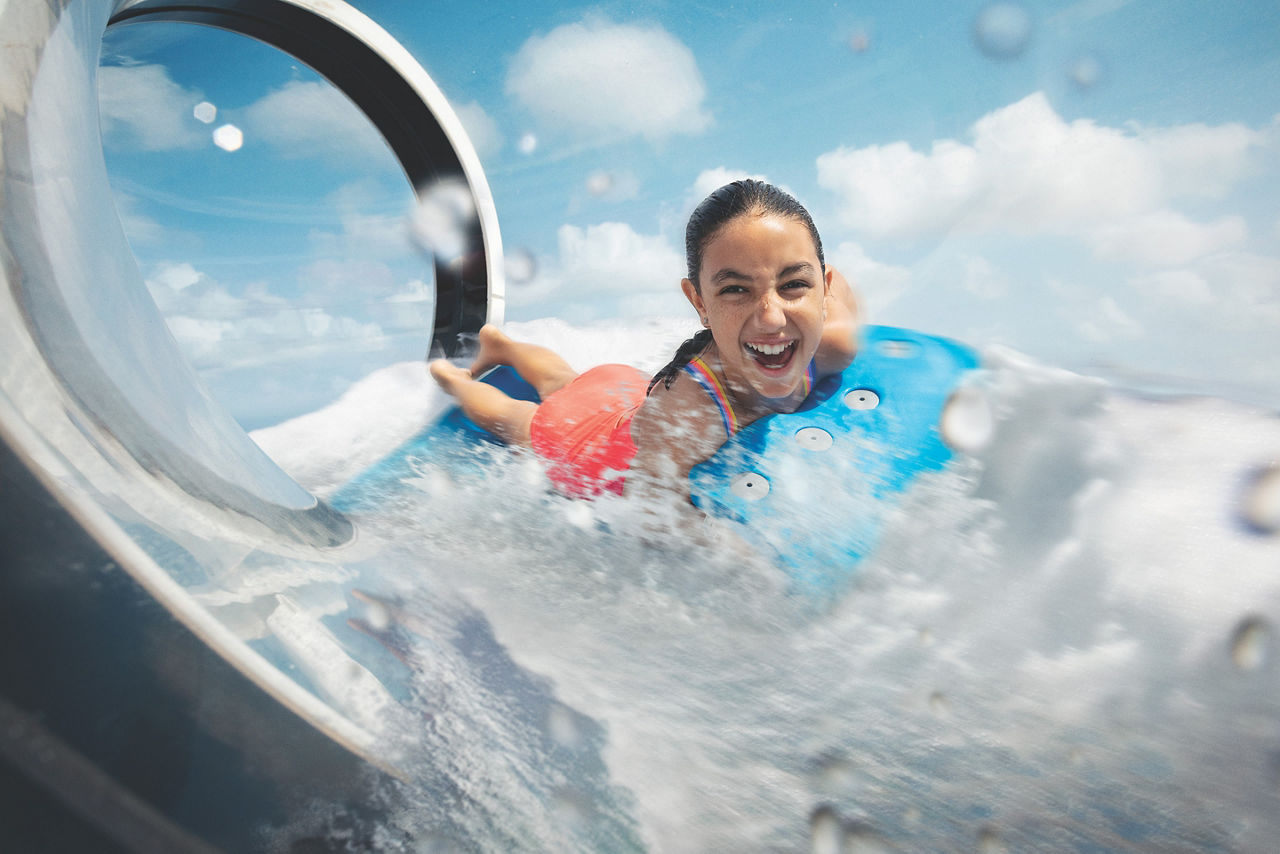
769, 349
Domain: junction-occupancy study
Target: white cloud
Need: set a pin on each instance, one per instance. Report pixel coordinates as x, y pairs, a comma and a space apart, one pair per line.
141, 106
1028, 171
1179, 286
596, 78
605, 270
309, 118
1162, 238
876, 283
481, 128
710, 180
218, 330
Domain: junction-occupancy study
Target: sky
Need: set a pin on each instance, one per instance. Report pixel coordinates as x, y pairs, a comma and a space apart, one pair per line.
1094, 183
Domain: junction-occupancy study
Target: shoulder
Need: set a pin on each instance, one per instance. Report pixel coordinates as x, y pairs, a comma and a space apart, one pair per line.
679, 422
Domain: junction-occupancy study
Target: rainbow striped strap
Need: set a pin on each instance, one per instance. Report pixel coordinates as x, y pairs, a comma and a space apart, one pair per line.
809, 373
706, 378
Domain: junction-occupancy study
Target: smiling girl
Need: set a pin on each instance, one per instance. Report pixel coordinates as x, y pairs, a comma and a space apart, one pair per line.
775, 319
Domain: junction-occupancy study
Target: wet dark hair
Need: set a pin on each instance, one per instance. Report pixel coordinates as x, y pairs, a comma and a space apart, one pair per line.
747, 197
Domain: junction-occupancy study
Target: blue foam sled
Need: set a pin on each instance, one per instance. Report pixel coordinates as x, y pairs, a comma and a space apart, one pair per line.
810, 487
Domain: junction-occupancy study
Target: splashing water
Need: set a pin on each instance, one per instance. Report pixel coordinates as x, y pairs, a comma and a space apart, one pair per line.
1061, 643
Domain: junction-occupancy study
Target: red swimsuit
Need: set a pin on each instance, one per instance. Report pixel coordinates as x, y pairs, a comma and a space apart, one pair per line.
583, 430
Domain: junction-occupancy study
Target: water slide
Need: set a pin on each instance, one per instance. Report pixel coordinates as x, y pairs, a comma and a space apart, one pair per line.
132, 717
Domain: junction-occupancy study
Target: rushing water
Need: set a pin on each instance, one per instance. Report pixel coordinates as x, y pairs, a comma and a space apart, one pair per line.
1064, 642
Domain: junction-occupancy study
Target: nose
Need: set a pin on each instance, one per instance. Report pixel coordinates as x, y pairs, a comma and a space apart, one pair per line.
770, 314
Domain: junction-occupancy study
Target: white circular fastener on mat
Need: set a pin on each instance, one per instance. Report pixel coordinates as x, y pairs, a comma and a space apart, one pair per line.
898, 349
814, 439
750, 486
861, 398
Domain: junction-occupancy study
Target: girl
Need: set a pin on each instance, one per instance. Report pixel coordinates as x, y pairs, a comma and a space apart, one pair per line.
774, 320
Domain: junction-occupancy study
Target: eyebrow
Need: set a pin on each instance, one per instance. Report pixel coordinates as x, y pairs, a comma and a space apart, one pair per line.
728, 273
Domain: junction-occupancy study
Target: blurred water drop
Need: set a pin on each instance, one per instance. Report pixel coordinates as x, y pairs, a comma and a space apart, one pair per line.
938, 703
434, 843
967, 423
861, 838
205, 112
1249, 643
376, 615
989, 841
562, 728
600, 183
835, 774
441, 221
825, 833
859, 41
1002, 30
228, 138
527, 144
1260, 503
570, 808
521, 266
579, 514
1086, 71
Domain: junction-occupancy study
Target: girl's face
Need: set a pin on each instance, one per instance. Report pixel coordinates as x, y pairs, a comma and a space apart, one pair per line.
763, 295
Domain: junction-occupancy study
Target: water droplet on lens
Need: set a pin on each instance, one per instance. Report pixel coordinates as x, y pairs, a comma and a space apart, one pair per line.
825, 832
377, 615
1260, 504
527, 144
440, 223
205, 112
938, 703
1087, 71
570, 808
563, 729
521, 266
835, 774
862, 839
579, 514
599, 183
989, 841
228, 138
1002, 30
967, 423
1250, 643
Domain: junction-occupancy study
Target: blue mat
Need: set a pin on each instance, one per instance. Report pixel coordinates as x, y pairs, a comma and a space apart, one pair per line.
810, 488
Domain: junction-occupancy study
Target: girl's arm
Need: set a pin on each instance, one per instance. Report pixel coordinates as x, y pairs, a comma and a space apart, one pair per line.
674, 430
840, 331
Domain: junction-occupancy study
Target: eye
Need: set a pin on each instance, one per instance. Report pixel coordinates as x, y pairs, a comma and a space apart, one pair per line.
728, 290
797, 285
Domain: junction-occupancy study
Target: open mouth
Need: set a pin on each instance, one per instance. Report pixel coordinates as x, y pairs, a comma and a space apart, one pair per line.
771, 357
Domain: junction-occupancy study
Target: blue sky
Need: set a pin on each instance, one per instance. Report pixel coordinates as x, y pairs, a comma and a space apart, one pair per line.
1094, 183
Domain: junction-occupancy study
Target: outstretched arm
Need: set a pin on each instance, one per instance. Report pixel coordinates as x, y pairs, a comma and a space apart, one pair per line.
840, 331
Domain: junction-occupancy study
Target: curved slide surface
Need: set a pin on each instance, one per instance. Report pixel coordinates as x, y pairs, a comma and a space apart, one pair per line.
140, 710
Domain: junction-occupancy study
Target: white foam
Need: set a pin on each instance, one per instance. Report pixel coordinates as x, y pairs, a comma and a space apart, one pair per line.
1056, 618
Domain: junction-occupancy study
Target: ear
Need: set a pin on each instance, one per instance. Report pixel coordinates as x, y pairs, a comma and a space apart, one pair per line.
694, 298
